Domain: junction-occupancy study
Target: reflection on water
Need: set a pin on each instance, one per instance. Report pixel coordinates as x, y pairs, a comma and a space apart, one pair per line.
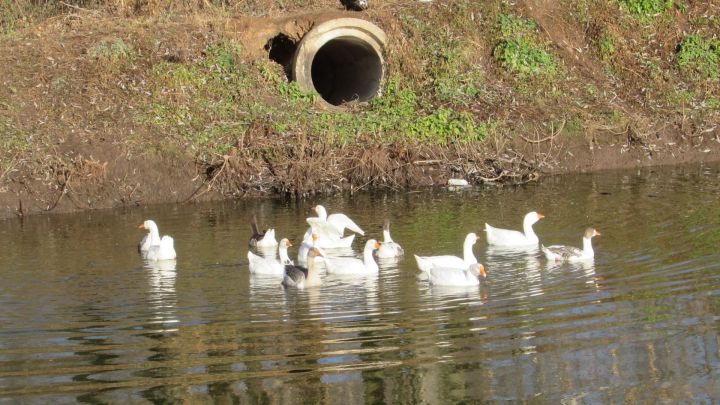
161, 277
85, 320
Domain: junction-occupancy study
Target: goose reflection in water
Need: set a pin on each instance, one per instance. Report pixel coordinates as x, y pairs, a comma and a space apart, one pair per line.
163, 297
584, 270
351, 331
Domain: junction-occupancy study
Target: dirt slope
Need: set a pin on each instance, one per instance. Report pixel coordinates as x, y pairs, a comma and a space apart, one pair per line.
86, 96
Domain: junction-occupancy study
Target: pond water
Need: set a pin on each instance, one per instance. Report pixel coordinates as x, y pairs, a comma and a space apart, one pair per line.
83, 319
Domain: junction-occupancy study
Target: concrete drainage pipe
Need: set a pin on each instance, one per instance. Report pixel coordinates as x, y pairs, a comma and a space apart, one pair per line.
342, 60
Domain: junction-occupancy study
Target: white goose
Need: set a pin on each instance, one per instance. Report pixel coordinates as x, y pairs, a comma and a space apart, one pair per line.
152, 247
305, 246
301, 277
388, 248
164, 251
352, 266
330, 228
456, 277
152, 237
261, 239
425, 263
270, 265
508, 237
561, 253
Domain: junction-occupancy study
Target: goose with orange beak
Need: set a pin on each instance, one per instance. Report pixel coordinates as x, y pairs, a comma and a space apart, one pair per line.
154, 248
300, 277
455, 277
269, 265
512, 238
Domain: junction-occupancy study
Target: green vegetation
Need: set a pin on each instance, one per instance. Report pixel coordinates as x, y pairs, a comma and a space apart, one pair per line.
606, 47
646, 8
699, 56
521, 51
443, 65
112, 50
10, 139
212, 102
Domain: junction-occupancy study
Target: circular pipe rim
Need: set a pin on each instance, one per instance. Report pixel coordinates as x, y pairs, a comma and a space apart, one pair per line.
325, 32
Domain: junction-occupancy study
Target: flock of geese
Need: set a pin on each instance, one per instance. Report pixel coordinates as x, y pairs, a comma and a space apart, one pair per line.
327, 232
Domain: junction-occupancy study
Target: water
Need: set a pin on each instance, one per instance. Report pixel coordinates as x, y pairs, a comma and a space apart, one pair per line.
82, 319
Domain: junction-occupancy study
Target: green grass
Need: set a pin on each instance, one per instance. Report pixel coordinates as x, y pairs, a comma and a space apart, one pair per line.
521, 51
698, 56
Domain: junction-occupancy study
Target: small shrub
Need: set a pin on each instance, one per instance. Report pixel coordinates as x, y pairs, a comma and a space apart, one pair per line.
114, 50
607, 47
521, 56
520, 51
645, 8
10, 139
699, 56
713, 103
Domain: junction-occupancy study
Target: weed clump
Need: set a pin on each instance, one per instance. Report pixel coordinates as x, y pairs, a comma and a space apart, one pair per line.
520, 51
646, 8
112, 50
699, 56
10, 139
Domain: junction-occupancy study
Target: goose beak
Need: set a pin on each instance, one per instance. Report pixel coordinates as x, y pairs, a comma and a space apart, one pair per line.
377, 245
141, 226
288, 244
597, 233
540, 216
482, 271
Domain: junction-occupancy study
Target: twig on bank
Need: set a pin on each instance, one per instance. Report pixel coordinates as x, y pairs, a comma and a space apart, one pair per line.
63, 190
20, 211
12, 166
552, 136
210, 183
78, 7
427, 162
492, 179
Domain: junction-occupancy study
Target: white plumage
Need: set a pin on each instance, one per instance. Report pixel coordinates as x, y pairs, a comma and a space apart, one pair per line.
353, 266
508, 237
425, 263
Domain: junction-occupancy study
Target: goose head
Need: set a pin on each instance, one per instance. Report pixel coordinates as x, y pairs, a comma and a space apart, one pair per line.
148, 225
478, 270
313, 253
471, 238
590, 232
321, 212
372, 244
532, 217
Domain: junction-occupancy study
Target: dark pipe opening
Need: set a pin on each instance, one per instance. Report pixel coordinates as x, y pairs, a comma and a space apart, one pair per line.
346, 69
281, 50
